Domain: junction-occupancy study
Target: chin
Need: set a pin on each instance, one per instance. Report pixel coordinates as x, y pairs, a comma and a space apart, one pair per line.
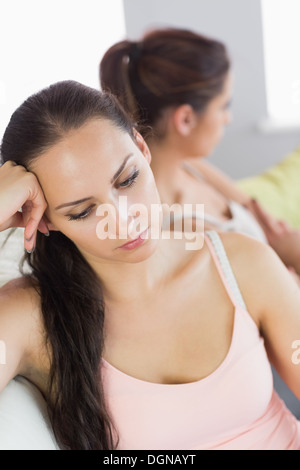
140, 254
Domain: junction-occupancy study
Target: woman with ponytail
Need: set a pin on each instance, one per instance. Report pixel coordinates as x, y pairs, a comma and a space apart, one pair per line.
135, 341
177, 85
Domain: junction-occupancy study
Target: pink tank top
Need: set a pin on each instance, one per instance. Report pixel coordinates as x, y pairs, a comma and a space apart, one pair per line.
234, 408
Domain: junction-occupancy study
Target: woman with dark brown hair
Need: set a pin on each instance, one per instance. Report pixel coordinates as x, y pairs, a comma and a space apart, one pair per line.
177, 85
134, 341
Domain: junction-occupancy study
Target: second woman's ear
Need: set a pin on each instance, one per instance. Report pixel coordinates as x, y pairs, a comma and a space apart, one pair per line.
142, 146
184, 119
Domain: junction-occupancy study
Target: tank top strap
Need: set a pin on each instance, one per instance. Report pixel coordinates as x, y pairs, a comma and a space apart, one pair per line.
220, 258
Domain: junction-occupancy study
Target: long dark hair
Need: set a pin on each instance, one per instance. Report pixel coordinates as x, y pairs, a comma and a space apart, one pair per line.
70, 292
167, 67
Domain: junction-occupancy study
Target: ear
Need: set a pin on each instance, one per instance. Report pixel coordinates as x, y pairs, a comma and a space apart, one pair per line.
184, 119
52, 227
142, 146
49, 224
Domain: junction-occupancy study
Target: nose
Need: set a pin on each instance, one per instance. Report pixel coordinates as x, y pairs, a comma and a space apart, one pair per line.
132, 219
124, 220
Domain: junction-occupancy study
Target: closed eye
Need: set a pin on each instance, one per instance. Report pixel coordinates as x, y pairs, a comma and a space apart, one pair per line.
130, 181
83, 215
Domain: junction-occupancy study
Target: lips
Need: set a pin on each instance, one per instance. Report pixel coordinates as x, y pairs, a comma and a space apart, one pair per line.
136, 242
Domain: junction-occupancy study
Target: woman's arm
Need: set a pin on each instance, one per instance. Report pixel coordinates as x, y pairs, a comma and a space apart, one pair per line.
18, 329
284, 239
19, 310
272, 298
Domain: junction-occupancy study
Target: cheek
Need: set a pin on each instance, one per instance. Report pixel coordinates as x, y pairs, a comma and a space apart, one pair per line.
217, 126
151, 192
153, 203
84, 235
145, 191
80, 232
144, 205
209, 130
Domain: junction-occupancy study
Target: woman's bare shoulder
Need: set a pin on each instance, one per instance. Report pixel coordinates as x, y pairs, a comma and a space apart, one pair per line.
260, 273
21, 330
19, 291
249, 258
243, 247
20, 305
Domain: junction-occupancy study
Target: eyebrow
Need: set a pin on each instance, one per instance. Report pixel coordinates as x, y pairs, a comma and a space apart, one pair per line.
116, 175
74, 203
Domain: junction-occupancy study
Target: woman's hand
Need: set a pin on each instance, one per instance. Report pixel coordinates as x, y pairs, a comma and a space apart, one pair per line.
22, 203
284, 239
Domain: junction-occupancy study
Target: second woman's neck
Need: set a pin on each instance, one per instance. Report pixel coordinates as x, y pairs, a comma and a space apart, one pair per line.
166, 164
166, 160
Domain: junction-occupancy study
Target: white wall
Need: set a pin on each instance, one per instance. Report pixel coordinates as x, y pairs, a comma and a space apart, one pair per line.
46, 41
244, 150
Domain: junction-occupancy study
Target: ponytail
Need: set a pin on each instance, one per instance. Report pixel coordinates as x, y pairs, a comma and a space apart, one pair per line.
120, 60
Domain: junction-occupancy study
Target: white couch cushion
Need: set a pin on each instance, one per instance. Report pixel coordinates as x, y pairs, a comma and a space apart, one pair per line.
24, 421
11, 254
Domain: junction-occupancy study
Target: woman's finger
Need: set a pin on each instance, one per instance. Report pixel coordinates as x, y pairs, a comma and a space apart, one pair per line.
269, 224
38, 207
22, 201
